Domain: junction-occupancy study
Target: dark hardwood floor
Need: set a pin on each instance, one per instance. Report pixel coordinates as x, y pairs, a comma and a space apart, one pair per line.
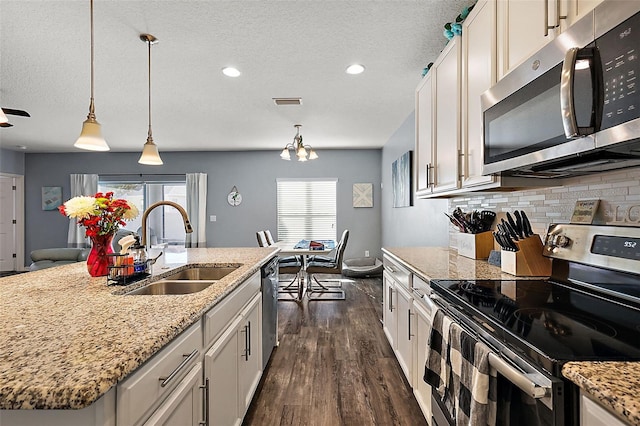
334, 366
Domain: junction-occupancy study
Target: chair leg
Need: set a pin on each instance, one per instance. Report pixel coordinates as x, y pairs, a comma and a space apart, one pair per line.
322, 292
291, 291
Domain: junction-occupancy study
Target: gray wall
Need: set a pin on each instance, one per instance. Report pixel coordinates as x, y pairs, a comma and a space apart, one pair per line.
11, 161
423, 224
254, 173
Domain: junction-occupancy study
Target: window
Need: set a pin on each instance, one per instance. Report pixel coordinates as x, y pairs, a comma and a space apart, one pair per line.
306, 209
165, 224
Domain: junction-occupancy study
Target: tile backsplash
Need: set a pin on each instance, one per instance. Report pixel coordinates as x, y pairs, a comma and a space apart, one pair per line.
618, 192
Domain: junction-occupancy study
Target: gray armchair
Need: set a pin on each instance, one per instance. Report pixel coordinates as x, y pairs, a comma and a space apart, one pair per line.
50, 257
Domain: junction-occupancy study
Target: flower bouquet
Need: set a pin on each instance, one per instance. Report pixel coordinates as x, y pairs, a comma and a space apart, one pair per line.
101, 216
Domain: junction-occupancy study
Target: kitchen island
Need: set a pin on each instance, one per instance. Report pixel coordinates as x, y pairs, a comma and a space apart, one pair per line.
68, 338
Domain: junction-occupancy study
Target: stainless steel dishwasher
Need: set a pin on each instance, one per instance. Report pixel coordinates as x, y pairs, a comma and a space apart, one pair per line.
269, 273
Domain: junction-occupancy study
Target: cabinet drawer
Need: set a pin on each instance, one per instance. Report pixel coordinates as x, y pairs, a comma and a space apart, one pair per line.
145, 388
400, 274
216, 320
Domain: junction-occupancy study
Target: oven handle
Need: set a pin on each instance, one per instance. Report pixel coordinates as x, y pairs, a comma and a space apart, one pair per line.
521, 380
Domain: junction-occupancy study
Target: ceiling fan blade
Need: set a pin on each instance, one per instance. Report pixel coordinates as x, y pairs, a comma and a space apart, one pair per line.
19, 112
6, 125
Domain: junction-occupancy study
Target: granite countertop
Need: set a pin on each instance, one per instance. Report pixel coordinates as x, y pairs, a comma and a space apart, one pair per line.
445, 263
613, 384
66, 338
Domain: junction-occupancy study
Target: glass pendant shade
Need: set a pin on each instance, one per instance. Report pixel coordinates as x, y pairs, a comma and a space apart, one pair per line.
285, 154
150, 155
312, 155
3, 117
91, 136
301, 153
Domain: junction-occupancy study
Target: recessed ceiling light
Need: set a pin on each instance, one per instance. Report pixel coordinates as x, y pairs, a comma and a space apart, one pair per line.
355, 69
230, 72
21, 147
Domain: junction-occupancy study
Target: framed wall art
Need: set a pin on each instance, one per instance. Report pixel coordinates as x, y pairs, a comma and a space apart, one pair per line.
51, 197
362, 195
401, 180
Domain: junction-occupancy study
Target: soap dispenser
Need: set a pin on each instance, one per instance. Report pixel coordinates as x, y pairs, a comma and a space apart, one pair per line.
139, 254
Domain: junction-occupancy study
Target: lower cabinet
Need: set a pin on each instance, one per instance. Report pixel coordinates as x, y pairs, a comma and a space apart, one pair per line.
233, 366
184, 406
389, 308
405, 338
594, 414
421, 389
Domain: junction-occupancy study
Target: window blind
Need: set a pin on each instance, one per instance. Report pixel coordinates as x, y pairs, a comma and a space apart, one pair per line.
306, 210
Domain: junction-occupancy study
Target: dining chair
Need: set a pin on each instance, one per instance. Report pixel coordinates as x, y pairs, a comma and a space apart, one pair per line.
262, 239
269, 237
319, 290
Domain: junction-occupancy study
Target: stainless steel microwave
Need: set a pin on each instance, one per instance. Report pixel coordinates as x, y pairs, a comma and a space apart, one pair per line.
574, 107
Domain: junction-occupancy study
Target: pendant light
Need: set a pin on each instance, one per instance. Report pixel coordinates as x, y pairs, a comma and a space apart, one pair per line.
91, 136
299, 148
150, 155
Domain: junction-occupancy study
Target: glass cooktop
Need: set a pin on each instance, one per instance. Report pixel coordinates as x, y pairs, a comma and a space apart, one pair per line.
549, 322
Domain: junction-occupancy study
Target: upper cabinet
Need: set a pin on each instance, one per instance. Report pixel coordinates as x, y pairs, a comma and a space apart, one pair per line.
438, 124
525, 26
496, 37
478, 75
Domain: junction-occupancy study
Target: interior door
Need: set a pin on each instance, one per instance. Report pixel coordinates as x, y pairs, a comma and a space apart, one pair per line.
7, 226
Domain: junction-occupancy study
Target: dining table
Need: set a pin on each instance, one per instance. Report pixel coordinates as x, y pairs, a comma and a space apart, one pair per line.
302, 248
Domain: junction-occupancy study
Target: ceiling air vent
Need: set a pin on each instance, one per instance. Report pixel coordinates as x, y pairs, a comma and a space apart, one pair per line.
287, 101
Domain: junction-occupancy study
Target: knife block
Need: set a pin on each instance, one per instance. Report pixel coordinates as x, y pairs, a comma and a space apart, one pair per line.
475, 246
528, 261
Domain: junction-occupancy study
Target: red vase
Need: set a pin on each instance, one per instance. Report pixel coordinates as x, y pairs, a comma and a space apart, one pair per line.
98, 261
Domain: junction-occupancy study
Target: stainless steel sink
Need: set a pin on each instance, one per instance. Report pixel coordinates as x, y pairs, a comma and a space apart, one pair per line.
187, 281
203, 273
166, 287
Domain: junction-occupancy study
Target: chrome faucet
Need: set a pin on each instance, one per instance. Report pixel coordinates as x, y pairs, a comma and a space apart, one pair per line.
187, 226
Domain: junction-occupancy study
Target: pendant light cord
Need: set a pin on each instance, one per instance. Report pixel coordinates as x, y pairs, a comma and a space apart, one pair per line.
91, 107
149, 44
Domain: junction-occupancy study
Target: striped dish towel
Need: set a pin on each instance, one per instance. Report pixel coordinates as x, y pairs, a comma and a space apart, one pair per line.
472, 392
436, 372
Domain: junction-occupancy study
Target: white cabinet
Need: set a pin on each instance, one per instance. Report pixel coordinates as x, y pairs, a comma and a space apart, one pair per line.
389, 309
422, 307
446, 172
404, 345
139, 395
250, 350
524, 26
593, 414
184, 406
233, 366
478, 75
424, 134
438, 124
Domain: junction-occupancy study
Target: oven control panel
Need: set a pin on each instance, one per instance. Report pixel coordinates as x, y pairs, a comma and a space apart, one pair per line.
613, 247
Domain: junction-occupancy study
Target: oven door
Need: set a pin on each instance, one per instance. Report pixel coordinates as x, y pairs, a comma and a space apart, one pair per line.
525, 394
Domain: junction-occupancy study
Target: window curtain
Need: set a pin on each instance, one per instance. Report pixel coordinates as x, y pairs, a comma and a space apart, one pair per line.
197, 209
86, 185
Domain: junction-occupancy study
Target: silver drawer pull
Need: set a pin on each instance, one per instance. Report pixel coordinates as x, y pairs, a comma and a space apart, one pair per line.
518, 378
166, 380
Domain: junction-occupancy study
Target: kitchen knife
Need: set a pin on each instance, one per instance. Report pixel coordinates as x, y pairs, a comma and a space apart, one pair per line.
511, 221
498, 237
456, 222
526, 224
510, 230
519, 230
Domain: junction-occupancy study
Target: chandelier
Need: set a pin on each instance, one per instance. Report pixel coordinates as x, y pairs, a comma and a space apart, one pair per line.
299, 148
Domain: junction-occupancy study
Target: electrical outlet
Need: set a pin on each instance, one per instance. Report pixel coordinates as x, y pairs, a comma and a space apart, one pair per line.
212, 218
366, 253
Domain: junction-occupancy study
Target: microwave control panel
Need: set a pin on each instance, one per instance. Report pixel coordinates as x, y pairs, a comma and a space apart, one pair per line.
619, 50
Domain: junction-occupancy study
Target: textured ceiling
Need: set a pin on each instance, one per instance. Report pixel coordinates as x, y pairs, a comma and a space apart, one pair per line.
283, 49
